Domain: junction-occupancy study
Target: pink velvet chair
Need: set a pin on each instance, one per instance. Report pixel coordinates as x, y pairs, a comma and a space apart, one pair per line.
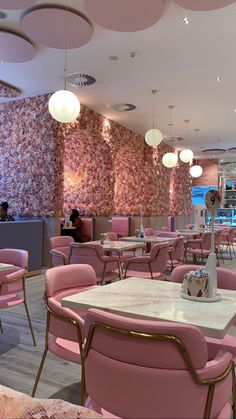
60, 250
199, 248
228, 241
12, 282
226, 279
149, 231
152, 369
93, 254
149, 266
176, 253
120, 225
65, 325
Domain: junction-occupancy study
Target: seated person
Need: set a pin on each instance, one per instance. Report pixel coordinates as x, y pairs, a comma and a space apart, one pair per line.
4, 216
78, 223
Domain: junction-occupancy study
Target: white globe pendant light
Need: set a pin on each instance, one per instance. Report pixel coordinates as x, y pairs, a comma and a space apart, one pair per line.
64, 106
196, 171
153, 136
170, 160
186, 155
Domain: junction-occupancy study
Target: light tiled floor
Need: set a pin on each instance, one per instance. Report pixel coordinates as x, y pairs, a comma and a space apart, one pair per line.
19, 359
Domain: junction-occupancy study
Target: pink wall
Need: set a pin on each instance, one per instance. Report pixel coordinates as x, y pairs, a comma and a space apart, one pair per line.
94, 165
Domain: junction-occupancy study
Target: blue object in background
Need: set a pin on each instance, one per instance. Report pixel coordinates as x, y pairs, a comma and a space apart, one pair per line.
199, 192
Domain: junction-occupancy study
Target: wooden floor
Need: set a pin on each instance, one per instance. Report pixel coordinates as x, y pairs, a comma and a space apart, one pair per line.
19, 359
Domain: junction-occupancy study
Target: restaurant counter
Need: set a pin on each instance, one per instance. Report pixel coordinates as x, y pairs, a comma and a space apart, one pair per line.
27, 235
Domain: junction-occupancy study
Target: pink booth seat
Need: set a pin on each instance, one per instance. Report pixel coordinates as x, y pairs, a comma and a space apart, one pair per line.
120, 225
93, 254
176, 253
65, 325
16, 405
12, 282
150, 266
152, 369
226, 279
60, 249
164, 233
87, 228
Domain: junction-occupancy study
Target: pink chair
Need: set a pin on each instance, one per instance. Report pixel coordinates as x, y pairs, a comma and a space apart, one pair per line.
65, 325
87, 228
149, 231
176, 253
12, 282
161, 233
120, 225
226, 279
94, 255
153, 369
60, 250
150, 266
228, 241
199, 248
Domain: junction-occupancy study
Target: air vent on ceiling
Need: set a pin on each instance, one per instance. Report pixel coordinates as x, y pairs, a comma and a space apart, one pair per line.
80, 79
175, 139
124, 107
214, 151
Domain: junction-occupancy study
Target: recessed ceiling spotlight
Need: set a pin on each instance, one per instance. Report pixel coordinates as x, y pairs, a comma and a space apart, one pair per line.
186, 20
113, 58
218, 79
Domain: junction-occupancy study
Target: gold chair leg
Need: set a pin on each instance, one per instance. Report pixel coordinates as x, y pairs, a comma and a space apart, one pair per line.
30, 325
39, 373
1, 329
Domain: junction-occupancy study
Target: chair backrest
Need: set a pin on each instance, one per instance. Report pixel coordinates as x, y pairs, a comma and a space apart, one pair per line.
159, 254
226, 278
61, 243
64, 278
178, 248
112, 236
206, 240
120, 225
231, 234
149, 231
87, 228
16, 257
90, 254
152, 378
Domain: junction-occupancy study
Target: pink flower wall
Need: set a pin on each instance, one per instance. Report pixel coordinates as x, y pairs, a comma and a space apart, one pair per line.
94, 165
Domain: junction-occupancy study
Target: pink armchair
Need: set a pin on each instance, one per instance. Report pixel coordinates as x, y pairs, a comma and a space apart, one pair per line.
176, 253
65, 325
152, 369
12, 282
199, 248
106, 267
60, 250
151, 266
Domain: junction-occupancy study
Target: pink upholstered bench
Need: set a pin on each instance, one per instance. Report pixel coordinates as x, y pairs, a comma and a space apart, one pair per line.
120, 226
88, 227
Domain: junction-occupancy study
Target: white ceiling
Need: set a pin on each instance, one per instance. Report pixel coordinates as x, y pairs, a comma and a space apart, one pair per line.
180, 61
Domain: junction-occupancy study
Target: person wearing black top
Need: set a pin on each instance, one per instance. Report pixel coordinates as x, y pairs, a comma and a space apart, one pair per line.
4, 216
78, 224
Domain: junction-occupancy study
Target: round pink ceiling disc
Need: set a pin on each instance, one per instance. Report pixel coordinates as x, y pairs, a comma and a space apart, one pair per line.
125, 15
15, 49
47, 26
16, 4
203, 5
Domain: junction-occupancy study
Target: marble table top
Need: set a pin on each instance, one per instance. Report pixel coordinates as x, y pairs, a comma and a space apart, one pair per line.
148, 239
5, 266
117, 245
159, 300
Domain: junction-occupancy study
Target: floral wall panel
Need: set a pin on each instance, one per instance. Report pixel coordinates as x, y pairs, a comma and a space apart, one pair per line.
31, 158
88, 174
180, 189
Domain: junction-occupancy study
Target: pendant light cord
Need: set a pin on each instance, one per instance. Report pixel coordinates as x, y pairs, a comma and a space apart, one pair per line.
154, 92
66, 28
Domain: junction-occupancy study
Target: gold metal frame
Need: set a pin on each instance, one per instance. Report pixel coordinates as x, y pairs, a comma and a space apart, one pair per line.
211, 382
10, 281
89, 246
73, 322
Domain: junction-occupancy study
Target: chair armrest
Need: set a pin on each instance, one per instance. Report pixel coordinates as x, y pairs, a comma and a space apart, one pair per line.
15, 276
216, 366
59, 255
